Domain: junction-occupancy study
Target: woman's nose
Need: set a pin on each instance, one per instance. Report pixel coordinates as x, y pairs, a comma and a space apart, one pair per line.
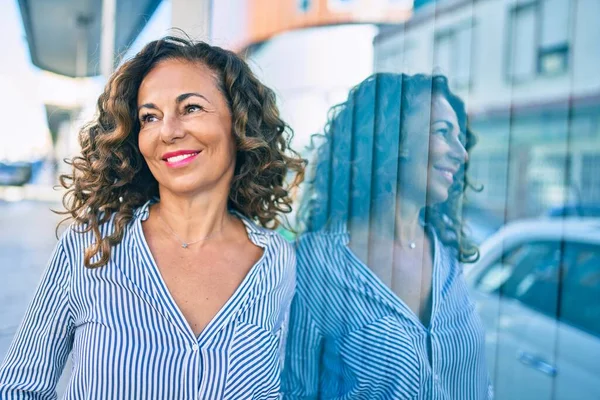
459, 153
171, 129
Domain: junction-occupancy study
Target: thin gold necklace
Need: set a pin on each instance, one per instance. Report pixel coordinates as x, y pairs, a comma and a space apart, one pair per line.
183, 243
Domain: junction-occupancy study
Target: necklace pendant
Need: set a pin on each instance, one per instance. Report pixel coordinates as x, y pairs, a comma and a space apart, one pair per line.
184, 245
412, 245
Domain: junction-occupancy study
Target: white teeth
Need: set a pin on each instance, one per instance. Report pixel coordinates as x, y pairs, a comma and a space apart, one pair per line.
448, 174
181, 157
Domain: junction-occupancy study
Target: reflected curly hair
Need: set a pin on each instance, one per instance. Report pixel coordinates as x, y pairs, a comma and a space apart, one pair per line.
370, 123
110, 178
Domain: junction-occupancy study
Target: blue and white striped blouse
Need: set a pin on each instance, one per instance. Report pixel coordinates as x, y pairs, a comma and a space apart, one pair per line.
128, 338
351, 337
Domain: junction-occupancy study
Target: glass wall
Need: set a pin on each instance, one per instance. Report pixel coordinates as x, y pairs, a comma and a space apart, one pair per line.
447, 234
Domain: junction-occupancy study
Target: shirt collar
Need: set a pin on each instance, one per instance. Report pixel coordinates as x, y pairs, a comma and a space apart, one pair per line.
143, 212
254, 230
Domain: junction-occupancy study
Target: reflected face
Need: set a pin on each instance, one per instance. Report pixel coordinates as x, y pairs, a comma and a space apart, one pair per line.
185, 128
434, 163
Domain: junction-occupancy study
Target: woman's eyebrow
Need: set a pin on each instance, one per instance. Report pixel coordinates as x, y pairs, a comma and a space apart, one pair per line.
178, 100
184, 96
148, 105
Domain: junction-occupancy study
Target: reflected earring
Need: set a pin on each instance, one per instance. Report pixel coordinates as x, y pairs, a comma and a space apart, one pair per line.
404, 155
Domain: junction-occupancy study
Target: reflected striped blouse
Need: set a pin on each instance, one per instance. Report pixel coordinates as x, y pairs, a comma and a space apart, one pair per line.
351, 337
129, 340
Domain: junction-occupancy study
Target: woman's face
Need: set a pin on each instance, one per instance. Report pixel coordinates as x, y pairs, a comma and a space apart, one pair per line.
185, 128
434, 163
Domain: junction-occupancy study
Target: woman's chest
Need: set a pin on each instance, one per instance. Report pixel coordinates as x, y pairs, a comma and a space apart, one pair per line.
393, 353
201, 286
131, 300
412, 282
125, 327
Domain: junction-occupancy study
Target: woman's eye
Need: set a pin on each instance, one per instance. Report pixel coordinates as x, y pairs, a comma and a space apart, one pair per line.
192, 108
147, 118
441, 131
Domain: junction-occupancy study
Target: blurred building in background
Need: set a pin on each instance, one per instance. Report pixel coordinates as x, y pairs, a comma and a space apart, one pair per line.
310, 52
527, 73
257, 21
524, 69
67, 42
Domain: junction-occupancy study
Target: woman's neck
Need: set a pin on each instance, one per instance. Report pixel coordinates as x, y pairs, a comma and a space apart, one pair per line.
408, 226
193, 217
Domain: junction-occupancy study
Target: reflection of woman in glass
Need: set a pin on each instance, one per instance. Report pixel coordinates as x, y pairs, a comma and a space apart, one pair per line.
166, 286
382, 311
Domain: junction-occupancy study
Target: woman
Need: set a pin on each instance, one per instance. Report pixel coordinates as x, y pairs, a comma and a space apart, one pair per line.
164, 287
381, 309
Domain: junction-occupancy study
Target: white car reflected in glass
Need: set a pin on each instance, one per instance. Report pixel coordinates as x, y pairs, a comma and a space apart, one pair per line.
537, 289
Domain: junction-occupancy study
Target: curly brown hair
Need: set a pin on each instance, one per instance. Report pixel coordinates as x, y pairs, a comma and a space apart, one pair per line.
110, 179
378, 107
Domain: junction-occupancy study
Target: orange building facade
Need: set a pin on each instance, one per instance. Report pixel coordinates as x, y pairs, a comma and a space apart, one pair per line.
254, 21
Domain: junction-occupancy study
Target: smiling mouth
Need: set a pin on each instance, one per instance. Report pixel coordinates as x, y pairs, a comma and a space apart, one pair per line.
446, 173
180, 157
181, 160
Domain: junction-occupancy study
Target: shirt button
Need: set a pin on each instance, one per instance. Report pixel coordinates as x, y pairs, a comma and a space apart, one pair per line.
436, 378
194, 347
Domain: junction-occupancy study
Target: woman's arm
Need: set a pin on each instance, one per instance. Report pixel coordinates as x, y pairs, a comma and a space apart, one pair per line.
37, 355
300, 378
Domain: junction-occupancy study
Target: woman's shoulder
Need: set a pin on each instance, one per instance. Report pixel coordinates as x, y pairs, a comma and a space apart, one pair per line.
78, 236
321, 254
277, 242
73, 241
322, 240
264, 236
